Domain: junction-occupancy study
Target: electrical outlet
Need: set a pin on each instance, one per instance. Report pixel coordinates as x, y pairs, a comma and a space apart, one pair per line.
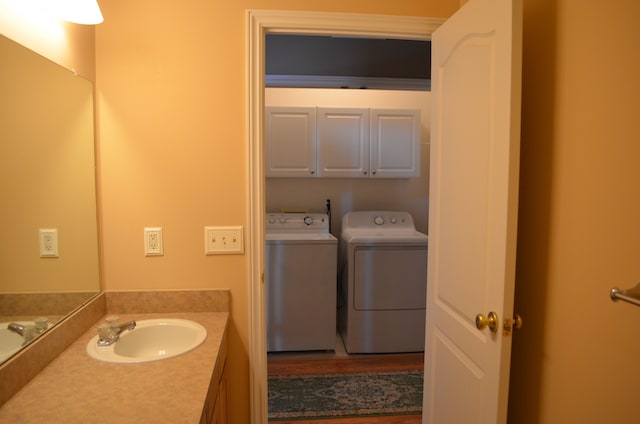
223, 240
48, 238
153, 241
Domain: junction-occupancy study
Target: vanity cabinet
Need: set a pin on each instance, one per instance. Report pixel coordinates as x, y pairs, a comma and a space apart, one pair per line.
342, 142
215, 409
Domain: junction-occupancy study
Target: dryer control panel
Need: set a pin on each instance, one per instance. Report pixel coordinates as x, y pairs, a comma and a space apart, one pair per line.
378, 220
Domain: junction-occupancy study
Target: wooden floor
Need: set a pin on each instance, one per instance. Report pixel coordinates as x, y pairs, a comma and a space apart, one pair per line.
399, 419
349, 364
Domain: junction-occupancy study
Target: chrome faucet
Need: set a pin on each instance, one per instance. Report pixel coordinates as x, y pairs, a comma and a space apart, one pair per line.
17, 328
109, 333
26, 331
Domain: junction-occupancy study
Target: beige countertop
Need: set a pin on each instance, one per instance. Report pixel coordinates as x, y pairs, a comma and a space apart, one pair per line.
76, 388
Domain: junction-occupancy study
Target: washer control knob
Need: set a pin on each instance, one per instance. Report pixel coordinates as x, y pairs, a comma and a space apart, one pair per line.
308, 220
272, 219
282, 219
394, 220
378, 220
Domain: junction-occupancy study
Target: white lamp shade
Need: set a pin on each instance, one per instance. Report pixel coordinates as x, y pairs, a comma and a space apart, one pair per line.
85, 12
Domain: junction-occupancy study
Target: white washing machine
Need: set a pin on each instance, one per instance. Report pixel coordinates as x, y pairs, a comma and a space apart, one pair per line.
383, 286
301, 278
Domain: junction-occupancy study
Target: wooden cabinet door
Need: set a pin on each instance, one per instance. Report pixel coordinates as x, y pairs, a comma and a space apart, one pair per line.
343, 138
222, 414
290, 141
395, 143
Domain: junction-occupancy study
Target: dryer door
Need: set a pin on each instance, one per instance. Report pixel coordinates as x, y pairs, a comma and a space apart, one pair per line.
390, 277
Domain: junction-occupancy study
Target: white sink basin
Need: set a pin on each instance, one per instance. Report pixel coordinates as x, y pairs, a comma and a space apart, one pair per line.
151, 340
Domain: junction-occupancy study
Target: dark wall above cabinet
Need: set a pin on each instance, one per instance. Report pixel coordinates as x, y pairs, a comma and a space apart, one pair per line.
338, 62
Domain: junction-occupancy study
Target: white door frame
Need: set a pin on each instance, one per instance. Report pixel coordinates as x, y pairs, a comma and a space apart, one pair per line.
259, 23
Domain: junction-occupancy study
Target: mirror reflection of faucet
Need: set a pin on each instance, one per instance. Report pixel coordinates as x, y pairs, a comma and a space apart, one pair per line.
41, 325
109, 332
29, 331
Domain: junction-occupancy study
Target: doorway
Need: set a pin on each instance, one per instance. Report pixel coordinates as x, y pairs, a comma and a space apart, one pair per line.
260, 23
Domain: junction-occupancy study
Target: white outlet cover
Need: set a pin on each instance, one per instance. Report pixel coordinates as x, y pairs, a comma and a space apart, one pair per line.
48, 241
153, 241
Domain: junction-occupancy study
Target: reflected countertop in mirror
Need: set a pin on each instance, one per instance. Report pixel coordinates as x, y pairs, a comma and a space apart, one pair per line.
47, 181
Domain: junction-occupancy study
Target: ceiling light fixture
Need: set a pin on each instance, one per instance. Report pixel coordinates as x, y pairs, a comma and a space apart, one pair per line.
86, 12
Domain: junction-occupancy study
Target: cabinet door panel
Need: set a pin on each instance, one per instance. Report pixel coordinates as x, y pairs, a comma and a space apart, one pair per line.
343, 137
290, 141
395, 143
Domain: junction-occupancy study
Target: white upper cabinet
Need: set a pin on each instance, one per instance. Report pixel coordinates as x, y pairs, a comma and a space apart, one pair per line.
342, 142
290, 141
395, 143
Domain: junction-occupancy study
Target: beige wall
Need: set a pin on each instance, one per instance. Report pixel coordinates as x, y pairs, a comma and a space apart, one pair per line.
172, 141
576, 359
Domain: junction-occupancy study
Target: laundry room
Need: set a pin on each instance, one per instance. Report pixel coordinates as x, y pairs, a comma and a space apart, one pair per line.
307, 113
367, 82
361, 192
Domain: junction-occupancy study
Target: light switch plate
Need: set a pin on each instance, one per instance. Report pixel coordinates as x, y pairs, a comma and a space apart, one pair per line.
223, 240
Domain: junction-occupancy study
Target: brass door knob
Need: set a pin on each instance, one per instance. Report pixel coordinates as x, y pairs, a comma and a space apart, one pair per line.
517, 322
491, 321
510, 325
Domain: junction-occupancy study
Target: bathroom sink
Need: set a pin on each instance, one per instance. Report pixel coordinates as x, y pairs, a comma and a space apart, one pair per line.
151, 340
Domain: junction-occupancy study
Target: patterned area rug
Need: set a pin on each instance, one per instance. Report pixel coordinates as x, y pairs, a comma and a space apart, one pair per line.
345, 395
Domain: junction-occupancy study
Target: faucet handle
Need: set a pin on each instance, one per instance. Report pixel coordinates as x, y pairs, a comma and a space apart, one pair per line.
105, 331
42, 323
113, 321
29, 334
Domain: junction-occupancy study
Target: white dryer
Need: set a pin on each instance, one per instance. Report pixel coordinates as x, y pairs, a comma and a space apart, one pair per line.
301, 279
383, 285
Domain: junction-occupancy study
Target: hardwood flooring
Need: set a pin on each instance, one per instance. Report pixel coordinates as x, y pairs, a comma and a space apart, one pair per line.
399, 419
348, 364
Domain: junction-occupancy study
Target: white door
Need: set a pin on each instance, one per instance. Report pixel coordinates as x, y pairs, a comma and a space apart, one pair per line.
476, 74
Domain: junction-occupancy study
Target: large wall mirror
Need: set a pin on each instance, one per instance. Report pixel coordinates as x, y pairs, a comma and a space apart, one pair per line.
47, 182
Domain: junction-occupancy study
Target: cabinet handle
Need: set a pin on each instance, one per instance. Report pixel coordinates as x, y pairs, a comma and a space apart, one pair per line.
312, 172
365, 172
373, 172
